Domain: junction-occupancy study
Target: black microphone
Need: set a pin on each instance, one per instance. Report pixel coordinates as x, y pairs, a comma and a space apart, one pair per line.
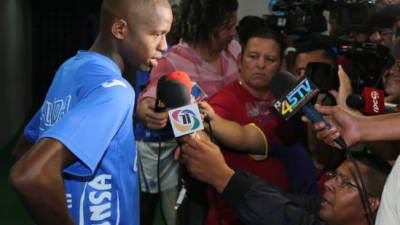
173, 91
293, 95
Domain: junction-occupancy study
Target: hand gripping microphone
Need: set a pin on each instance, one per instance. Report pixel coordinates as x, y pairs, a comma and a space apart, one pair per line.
371, 101
173, 91
293, 95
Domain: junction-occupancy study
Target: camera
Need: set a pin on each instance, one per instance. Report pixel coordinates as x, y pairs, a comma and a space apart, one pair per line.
323, 75
368, 63
298, 18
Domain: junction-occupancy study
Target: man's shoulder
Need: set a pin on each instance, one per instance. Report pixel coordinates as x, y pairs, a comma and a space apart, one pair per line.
90, 63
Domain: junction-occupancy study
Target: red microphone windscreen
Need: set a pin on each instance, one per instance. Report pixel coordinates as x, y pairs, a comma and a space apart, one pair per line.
181, 77
374, 101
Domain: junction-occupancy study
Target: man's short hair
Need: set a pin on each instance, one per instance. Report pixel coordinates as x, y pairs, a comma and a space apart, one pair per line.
197, 19
310, 46
384, 18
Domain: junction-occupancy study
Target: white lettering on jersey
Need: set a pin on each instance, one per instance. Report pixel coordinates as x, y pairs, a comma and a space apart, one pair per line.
53, 111
69, 200
100, 196
113, 83
99, 202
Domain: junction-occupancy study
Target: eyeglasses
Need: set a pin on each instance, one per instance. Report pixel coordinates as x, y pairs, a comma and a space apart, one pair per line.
342, 181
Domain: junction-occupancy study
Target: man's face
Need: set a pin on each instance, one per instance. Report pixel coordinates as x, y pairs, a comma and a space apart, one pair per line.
259, 62
342, 202
391, 79
358, 36
146, 37
383, 36
225, 33
304, 58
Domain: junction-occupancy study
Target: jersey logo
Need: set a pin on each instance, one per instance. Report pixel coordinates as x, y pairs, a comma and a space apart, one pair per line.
113, 83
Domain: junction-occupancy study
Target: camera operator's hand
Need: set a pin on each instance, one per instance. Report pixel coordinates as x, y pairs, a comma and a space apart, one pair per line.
151, 119
205, 162
344, 91
343, 123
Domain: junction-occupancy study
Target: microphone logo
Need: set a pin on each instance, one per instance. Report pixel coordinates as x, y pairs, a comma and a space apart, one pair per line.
288, 104
375, 97
185, 120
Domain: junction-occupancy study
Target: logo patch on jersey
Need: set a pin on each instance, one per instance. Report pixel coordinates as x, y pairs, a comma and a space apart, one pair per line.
51, 112
113, 83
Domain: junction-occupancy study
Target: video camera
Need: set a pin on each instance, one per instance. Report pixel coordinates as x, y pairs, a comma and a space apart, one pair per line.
297, 18
368, 61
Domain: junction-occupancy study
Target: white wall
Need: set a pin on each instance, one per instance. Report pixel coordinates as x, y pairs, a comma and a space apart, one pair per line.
253, 7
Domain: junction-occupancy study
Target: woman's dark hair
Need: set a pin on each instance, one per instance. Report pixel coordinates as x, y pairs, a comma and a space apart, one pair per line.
197, 19
254, 26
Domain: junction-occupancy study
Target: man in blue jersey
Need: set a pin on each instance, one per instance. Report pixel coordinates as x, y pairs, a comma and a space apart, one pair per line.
76, 159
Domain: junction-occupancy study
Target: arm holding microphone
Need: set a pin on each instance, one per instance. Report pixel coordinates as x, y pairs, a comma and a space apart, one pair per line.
355, 128
255, 200
234, 136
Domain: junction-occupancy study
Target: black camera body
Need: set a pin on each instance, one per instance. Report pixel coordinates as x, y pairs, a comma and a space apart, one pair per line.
298, 18
323, 75
368, 63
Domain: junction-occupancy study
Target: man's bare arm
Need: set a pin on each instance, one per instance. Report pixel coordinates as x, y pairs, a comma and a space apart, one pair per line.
22, 146
37, 178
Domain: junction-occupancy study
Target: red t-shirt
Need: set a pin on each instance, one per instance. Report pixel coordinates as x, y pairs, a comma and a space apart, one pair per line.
233, 102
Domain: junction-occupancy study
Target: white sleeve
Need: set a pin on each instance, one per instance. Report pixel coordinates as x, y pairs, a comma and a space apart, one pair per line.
388, 213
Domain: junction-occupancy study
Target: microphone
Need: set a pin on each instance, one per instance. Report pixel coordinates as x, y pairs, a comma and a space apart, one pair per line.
173, 91
371, 101
293, 95
174, 94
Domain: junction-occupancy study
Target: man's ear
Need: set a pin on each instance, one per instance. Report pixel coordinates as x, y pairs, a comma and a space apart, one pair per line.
374, 202
119, 29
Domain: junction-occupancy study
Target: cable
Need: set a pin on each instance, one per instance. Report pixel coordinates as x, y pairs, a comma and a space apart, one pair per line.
158, 180
207, 120
343, 144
